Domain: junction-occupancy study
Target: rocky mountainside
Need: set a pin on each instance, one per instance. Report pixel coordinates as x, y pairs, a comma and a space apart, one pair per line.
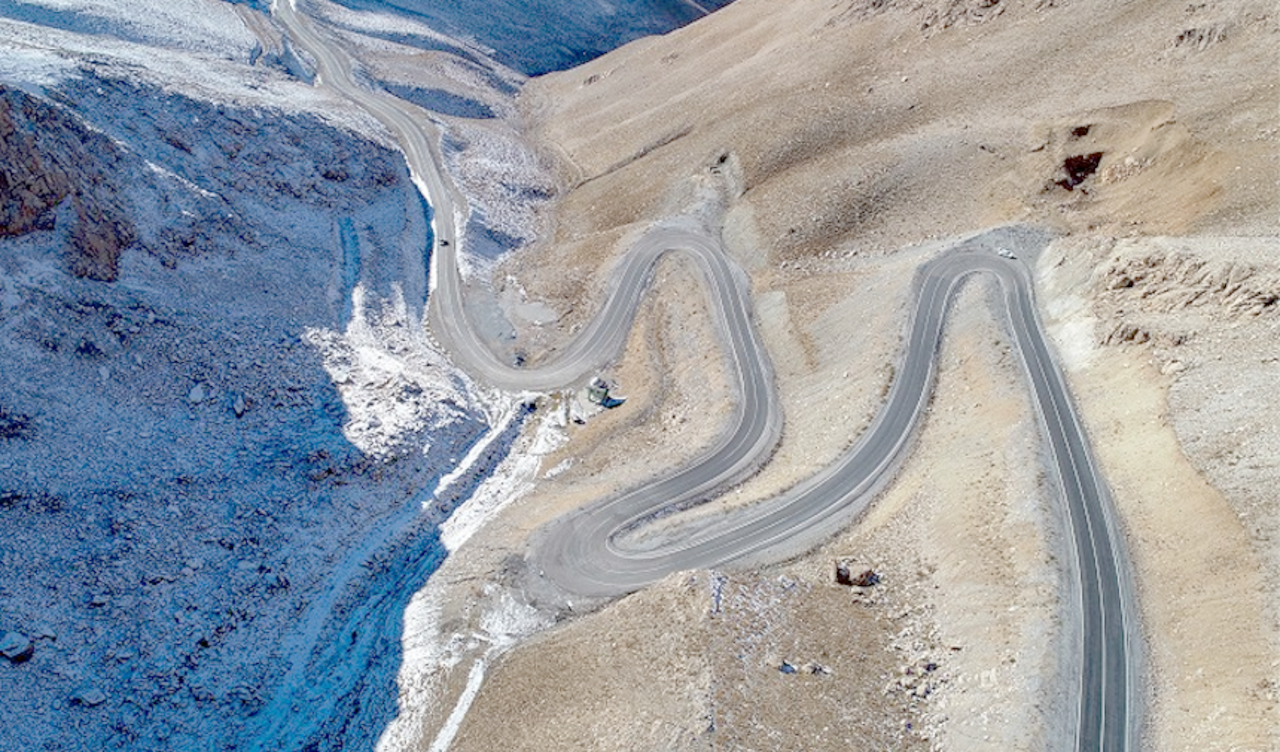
50, 158
537, 36
228, 449
186, 296
214, 399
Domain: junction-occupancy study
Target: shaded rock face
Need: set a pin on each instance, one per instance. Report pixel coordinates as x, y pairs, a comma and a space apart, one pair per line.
845, 575
111, 165
29, 187
47, 157
17, 648
169, 442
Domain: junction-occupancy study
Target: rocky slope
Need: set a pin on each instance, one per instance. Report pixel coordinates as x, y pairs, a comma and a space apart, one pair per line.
534, 36
227, 446
50, 158
220, 425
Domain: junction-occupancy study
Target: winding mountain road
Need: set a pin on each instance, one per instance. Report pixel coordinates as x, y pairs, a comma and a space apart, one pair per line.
589, 553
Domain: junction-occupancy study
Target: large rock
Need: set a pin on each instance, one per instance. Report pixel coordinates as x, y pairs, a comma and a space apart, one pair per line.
89, 697
47, 157
845, 576
16, 647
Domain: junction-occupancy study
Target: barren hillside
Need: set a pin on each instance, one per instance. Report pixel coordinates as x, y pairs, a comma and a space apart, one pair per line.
836, 146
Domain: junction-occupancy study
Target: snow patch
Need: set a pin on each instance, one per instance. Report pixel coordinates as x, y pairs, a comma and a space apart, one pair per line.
429, 651
31, 67
514, 478
393, 382
449, 730
30, 54
210, 27
504, 626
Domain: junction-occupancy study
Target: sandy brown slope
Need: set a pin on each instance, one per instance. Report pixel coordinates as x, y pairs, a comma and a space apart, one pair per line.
823, 138
843, 122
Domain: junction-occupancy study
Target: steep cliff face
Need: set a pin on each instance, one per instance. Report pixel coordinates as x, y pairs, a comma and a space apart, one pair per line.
31, 188
48, 157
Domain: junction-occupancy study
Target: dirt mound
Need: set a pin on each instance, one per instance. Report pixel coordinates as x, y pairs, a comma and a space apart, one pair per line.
1125, 168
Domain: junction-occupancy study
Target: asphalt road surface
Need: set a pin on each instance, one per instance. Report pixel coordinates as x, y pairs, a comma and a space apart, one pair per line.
590, 552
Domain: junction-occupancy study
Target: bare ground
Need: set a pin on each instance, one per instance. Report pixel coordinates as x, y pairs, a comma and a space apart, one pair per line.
836, 152
1171, 404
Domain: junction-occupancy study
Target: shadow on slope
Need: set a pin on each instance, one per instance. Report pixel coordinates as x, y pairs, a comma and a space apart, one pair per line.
539, 36
181, 471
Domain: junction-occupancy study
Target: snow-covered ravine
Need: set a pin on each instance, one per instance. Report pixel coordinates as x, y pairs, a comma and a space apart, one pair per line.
231, 456
431, 651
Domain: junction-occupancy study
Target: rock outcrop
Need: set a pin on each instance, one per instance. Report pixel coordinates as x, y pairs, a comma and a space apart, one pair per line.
1163, 281
47, 158
1130, 167
16, 647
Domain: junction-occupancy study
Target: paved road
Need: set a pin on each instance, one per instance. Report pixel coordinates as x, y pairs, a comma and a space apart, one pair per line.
591, 552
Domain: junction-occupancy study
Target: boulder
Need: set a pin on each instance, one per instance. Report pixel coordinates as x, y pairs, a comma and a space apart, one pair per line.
868, 578
16, 647
89, 697
845, 576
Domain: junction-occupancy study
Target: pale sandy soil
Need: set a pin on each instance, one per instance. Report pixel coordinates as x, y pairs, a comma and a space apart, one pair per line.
695, 662
853, 140
1205, 555
971, 585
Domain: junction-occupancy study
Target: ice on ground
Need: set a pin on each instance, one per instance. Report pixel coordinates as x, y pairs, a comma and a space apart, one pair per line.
504, 182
